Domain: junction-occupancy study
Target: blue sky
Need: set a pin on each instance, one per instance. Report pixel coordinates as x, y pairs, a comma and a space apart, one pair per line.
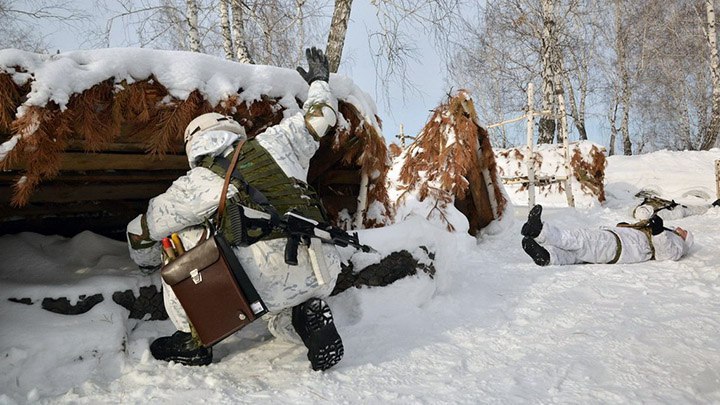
427, 74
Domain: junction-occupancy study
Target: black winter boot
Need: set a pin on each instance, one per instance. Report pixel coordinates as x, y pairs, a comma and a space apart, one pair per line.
716, 203
533, 226
313, 321
539, 254
181, 348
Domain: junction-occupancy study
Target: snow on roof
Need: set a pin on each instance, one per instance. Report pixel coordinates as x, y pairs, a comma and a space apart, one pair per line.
57, 77
56, 96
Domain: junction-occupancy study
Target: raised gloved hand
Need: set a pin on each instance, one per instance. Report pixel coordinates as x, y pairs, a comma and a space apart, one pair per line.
656, 225
318, 68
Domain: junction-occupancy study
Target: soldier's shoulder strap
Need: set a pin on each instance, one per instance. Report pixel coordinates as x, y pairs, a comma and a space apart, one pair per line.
644, 227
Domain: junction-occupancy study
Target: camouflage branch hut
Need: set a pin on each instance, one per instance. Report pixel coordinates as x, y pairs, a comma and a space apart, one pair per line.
88, 137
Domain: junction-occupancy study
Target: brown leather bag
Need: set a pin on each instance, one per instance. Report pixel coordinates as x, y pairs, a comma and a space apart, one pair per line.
212, 286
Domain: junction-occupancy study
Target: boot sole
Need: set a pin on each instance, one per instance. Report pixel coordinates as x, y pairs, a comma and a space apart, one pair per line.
533, 216
325, 348
540, 255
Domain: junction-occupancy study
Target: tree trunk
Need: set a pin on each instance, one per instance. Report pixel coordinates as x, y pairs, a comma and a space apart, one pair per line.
624, 76
192, 21
577, 115
625, 123
613, 126
547, 124
225, 28
338, 29
711, 135
238, 25
580, 123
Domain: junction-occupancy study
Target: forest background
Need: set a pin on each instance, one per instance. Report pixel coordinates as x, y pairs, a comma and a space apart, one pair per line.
633, 75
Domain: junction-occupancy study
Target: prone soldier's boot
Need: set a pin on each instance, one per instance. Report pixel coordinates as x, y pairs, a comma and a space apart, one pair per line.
533, 226
539, 254
181, 347
313, 321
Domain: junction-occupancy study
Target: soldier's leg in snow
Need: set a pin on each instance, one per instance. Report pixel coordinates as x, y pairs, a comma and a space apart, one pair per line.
310, 323
560, 257
175, 311
281, 285
280, 325
693, 209
587, 245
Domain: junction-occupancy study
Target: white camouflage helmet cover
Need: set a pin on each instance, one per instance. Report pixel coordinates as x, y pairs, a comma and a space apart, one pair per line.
212, 122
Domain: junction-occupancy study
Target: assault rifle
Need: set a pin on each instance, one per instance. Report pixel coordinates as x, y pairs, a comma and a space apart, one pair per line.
301, 229
252, 224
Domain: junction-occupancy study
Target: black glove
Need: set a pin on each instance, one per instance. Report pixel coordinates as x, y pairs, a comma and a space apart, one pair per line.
318, 68
656, 225
673, 204
716, 203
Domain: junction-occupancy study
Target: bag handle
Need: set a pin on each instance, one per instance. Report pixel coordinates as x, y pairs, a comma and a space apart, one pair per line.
223, 194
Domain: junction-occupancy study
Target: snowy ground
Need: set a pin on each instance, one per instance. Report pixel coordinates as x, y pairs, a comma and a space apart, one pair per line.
490, 328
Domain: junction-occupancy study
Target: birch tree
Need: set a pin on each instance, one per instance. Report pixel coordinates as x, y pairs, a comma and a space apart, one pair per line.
242, 52
192, 22
623, 96
338, 29
675, 87
543, 41
548, 40
711, 134
226, 30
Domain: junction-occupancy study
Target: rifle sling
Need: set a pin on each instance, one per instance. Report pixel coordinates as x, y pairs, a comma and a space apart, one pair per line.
642, 227
230, 168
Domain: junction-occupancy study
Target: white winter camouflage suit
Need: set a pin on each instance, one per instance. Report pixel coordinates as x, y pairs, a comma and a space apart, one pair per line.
645, 211
600, 245
194, 197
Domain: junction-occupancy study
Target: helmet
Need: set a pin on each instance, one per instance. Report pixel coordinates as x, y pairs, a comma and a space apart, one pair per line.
212, 121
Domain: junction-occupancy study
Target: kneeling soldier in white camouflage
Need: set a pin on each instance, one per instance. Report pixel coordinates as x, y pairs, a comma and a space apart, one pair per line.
647, 240
275, 163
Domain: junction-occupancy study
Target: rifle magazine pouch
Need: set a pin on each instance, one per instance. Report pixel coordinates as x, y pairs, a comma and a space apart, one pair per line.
205, 281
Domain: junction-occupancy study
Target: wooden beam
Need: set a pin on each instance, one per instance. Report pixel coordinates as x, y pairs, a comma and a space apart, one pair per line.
78, 145
115, 161
123, 176
90, 192
60, 210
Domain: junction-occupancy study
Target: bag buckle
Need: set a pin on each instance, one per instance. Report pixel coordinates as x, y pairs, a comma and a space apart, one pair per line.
196, 276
